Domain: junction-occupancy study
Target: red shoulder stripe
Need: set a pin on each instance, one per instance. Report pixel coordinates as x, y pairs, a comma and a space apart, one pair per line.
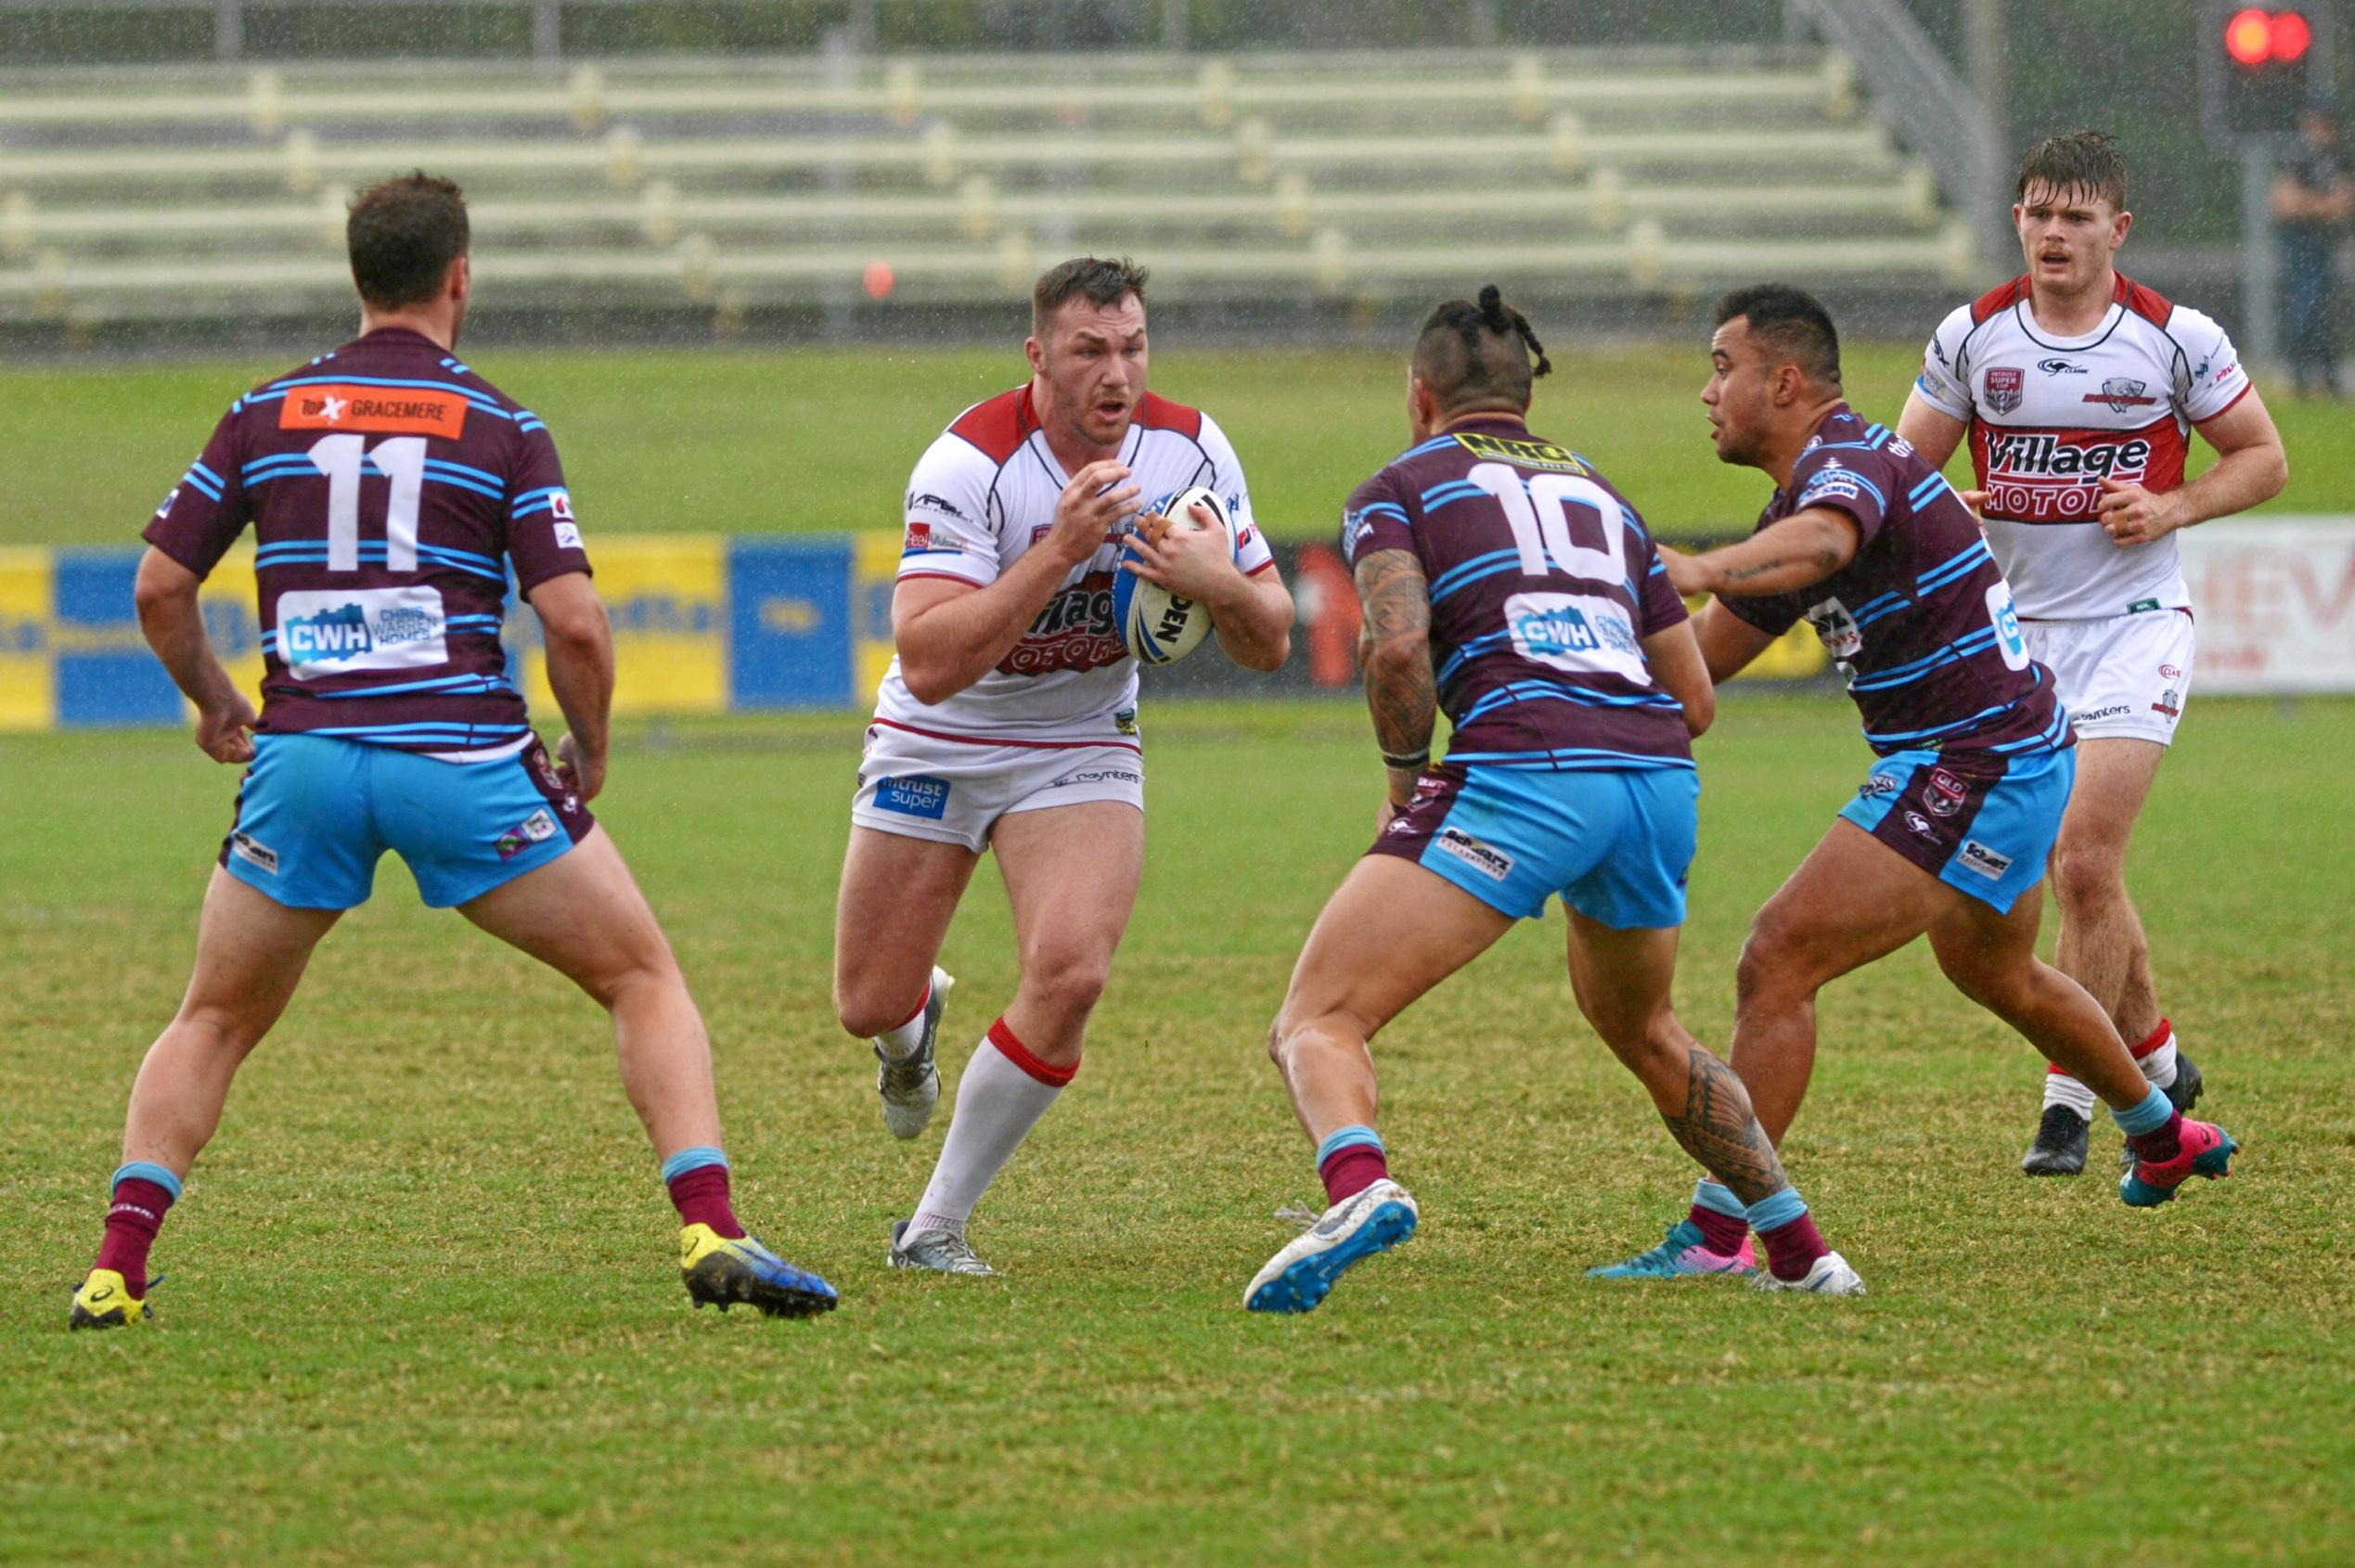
1999, 299
1157, 412
998, 427
2148, 304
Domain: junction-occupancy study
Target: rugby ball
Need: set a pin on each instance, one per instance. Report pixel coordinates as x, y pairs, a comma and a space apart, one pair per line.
1157, 626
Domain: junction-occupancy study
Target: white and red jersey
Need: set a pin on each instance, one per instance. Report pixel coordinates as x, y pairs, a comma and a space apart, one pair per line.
2052, 417
986, 492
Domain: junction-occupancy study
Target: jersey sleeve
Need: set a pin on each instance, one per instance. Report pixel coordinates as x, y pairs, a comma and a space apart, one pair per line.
947, 519
2210, 379
1374, 520
1663, 607
543, 534
1945, 380
1252, 555
1859, 483
205, 512
1774, 614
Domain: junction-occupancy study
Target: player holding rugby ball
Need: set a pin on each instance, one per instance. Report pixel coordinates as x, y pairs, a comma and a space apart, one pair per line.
1008, 721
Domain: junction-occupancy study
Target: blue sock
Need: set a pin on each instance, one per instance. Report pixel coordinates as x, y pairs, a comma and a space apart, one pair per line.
1777, 1210
693, 1158
1714, 1196
2147, 1117
146, 1170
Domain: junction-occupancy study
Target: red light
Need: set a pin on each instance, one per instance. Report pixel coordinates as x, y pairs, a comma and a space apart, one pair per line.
2249, 37
2291, 35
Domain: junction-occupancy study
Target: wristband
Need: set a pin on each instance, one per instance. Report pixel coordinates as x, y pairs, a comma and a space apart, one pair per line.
1413, 762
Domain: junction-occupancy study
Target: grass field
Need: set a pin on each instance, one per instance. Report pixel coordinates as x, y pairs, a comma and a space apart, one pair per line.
422, 1306
822, 440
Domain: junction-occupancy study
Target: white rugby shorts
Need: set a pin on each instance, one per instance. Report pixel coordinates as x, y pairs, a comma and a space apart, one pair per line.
2125, 678
930, 787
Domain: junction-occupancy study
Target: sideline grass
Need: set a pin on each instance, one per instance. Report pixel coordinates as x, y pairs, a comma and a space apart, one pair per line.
809, 439
422, 1305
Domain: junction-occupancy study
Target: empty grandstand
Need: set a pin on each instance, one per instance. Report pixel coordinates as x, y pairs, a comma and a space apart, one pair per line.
707, 192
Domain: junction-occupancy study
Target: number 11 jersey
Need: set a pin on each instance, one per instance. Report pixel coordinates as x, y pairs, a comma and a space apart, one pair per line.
388, 486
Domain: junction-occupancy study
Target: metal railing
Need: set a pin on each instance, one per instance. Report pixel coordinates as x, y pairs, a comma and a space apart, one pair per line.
1926, 106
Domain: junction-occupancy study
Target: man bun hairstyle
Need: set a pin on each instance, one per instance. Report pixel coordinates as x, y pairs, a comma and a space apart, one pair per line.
1479, 356
1792, 325
2079, 163
402, 234
1103, 282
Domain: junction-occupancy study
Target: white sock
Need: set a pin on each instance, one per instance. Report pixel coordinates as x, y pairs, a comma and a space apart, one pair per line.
2159, 1066
900, 1043
2062, 1090
1004, 1091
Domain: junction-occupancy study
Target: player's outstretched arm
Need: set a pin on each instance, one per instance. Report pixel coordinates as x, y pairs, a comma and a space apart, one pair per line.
1799, 552
1393, 646
949, 634
1676, 664
580, 671
1934, 432
1728, 644
2251, 468
173, 622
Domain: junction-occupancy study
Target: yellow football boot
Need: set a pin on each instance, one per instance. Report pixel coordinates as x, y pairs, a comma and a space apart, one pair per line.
106, 1301
723, 1271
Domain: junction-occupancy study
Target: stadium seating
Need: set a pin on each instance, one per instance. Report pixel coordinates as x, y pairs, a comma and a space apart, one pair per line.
705, 184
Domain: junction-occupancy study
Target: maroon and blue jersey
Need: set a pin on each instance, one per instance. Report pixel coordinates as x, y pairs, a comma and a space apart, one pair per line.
1919, 622
390, 488
1544, 582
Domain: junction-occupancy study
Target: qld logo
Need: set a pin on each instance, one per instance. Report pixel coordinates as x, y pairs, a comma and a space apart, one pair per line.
2004, 385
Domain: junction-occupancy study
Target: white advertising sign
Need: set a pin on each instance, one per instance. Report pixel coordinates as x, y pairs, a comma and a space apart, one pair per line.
2275, 603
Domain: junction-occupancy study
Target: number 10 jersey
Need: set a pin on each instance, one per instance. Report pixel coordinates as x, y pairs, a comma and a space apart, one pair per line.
388, 486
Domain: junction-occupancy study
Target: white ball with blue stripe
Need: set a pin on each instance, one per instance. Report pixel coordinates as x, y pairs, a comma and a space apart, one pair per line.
1156, 625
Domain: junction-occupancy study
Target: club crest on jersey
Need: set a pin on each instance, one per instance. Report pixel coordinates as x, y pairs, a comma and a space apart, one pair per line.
2122, 392
1944, 793
2004, 384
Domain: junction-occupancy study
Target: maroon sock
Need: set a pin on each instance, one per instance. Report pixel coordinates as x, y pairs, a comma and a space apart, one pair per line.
2160, 1144
701, 1197
1350, 1171
1792, 1248
131, 1222
1721, 1233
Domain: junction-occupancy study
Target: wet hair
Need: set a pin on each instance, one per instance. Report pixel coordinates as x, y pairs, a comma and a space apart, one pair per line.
1479, 356
1102, 282
2080, 162
1791, 325
402, 234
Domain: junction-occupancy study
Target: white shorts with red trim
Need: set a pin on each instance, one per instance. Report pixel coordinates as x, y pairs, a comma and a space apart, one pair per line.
2126, 677
953, 789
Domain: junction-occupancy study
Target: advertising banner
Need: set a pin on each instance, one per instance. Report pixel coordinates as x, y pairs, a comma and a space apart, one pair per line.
2276, 602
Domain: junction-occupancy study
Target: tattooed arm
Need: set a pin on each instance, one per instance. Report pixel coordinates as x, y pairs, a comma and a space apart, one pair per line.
1394, 649
1799, 552
1718, 1128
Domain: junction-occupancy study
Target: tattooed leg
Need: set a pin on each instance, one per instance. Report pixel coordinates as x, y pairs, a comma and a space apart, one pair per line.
1715, 1126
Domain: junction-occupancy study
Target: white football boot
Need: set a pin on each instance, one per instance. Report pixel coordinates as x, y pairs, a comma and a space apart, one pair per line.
942, 1252
910, 1085
1365, 1223
1830, 1276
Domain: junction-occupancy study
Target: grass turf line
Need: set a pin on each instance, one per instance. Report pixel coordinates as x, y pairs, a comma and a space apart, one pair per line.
423, 1305
817, 440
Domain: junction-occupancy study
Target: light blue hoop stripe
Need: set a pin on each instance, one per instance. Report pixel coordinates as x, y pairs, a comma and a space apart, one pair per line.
1349, 1137
1718, 1199
1777, 1209
694, 1159
146, 1170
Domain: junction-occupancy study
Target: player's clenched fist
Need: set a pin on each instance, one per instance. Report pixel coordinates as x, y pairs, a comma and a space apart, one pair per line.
2132, 515
222, 731
1091, 504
